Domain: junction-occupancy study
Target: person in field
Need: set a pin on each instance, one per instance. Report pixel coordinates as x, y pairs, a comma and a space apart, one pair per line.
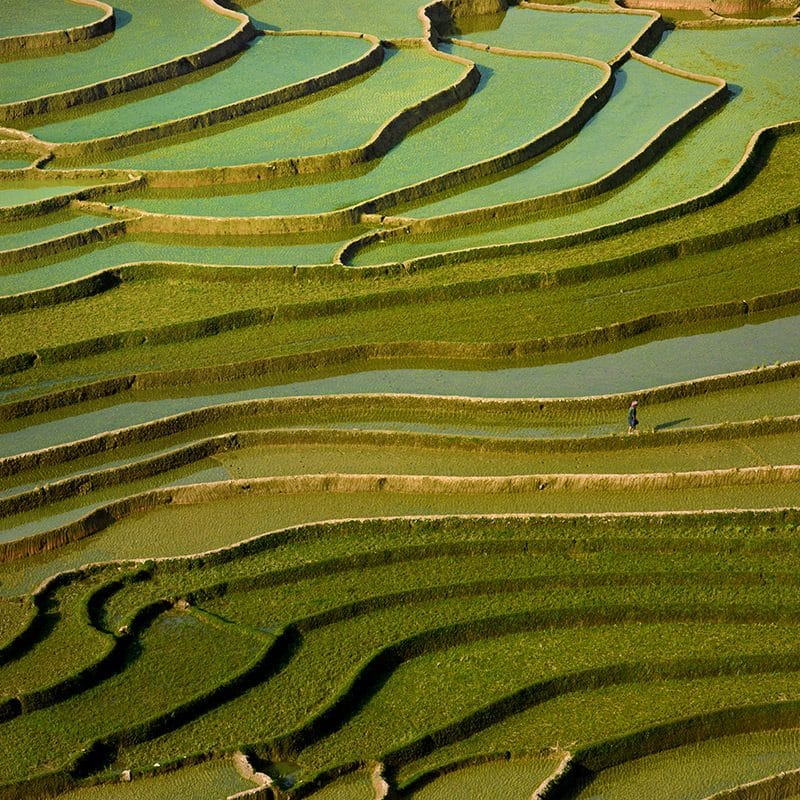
633, 421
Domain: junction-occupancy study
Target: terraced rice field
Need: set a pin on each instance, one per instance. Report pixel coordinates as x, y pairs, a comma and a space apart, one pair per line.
320, 327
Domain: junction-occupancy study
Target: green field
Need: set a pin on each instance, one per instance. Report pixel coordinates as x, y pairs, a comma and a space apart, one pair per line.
320, 327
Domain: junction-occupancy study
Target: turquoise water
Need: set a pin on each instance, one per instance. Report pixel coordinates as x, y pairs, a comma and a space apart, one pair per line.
48, 226
645, 99
17, 193
147, 33
267, 63
87, 260
652, 364
48, 520
600, 36
50, 15
521, 96
394, 20
336, 119
700, 161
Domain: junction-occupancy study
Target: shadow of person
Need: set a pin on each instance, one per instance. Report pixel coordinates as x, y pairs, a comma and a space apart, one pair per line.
671, 424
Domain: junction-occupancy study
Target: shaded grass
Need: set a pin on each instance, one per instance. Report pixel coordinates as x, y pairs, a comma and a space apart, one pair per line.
15, 614
71, 643
463, 678
580, 719
516, 778
180, 657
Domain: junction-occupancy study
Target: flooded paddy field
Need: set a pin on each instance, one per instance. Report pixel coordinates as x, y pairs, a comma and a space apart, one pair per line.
398, 400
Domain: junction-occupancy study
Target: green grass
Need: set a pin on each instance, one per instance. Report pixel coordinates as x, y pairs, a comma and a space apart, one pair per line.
301, 459
471, 676
718, 592
15, 614
16, 193
584, 718
414, 635
356, 786
179, 296
213, 779
596, 303
277, 605
180, 657
701, 769
69, 646
516, 778
396, 20
27, 523
83, 261
47, 226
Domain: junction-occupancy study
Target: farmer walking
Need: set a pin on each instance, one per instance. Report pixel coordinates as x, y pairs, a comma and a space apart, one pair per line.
633, 422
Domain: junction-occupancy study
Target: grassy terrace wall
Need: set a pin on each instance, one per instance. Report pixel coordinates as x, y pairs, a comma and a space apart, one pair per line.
91, 148
752, 158
103, 517
409, 647
665, 138
394, 130
187, 331
125, 83
11, 46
